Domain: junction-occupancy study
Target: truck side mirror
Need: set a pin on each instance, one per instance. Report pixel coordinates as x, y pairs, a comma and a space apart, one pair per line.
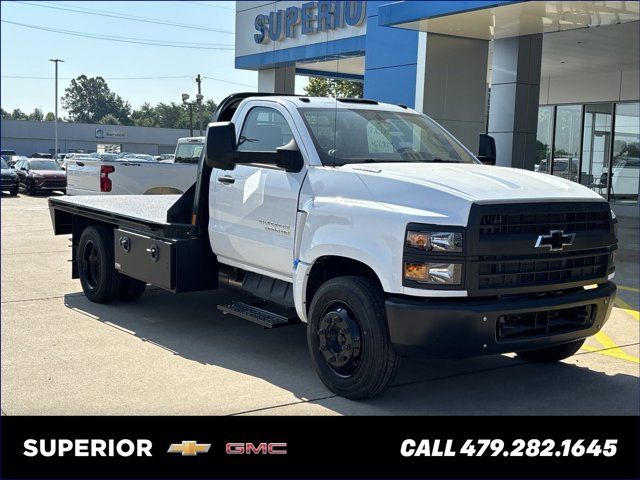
289, 157
221, 145
487, 149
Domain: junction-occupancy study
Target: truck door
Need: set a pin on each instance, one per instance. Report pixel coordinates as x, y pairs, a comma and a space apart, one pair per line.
254, 206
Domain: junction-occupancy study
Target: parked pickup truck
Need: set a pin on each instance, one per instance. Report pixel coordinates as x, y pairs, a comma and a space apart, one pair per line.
370, 223
129, 176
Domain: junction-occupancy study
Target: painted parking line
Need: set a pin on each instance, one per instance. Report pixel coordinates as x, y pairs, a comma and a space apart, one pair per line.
627, 308
610, 348
630, 289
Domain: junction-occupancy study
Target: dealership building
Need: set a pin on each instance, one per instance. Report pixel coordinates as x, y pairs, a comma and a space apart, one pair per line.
27, 137
555, 83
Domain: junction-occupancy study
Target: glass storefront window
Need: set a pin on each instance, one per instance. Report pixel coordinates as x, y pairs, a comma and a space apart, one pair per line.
625, 178
566, 149
544, 138
596, 147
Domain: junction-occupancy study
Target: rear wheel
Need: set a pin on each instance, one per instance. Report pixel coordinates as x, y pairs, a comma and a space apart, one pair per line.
348, 338
551, 354
130, 288
13, 192
98, 275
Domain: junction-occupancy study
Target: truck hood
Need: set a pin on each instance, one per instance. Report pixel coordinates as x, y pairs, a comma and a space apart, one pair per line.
473, 182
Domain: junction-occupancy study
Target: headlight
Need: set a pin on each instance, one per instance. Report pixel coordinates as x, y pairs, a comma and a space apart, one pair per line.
436, 273
448, 242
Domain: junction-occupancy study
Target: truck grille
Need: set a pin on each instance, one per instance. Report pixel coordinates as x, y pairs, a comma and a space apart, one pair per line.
505, 271
542, 223
521, 325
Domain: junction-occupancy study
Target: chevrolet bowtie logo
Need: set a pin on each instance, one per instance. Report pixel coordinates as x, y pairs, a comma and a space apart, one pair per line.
555, 241
189, 448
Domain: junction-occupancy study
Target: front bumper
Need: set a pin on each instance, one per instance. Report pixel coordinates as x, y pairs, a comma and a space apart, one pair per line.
465, 328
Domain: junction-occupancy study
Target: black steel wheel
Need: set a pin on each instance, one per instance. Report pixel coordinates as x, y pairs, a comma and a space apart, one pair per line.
348, 338
340, 339
98, 276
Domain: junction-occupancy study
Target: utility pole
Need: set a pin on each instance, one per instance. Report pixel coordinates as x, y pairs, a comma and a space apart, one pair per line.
199, 101
55, 123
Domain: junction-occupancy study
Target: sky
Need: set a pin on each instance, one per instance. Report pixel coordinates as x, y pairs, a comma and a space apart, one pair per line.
24, 51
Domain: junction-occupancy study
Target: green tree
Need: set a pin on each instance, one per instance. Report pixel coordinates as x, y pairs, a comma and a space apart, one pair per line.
109, 119
145, 116
50, 117
5, 114
89, 99
330, 87
18, 114
36, 115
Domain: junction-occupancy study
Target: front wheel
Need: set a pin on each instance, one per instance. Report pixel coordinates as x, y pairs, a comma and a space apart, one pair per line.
348, 338
551, 354
13, 192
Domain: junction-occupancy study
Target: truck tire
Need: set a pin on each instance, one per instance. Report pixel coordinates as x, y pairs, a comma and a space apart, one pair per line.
348, 338
130, 288
98, 276
551, 354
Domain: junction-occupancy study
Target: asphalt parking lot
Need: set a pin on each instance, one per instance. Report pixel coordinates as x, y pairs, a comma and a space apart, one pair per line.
176, 354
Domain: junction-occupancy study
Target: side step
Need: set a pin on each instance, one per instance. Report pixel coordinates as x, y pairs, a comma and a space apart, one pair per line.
258, 315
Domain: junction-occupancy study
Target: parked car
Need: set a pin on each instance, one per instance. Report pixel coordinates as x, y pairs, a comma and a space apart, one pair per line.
41, 155
10, 153
139, 157
10, 181
104, 156
166, 158
41, 174
189, 149
13, 159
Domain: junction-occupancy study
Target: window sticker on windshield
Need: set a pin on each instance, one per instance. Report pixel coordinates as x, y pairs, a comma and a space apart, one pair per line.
378, 142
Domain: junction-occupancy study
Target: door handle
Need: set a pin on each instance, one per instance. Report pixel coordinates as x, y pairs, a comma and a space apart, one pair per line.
80, 164
226, 180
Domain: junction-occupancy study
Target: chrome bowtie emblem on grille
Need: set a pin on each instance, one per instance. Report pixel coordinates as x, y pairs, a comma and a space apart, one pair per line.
555, 241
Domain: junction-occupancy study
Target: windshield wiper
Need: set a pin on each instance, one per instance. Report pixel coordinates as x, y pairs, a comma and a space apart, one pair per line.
440, 160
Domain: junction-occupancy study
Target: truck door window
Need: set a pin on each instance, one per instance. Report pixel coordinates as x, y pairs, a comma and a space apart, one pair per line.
264, 130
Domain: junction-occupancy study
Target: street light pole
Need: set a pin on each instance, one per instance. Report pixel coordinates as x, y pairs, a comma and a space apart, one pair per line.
55, 122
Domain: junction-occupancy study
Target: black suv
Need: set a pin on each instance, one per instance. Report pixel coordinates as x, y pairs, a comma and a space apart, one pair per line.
10, 182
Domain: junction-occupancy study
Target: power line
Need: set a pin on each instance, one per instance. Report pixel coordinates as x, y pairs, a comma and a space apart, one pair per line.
139, 41
26, 77
211, 6
134, 18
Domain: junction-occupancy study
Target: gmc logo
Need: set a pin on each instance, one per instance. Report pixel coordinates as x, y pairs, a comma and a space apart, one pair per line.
260, 448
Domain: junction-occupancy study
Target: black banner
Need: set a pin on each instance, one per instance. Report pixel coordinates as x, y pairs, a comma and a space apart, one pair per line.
320, 447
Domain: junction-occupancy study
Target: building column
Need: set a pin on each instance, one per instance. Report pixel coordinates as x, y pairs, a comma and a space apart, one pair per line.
451, 84
277, 80
515, 91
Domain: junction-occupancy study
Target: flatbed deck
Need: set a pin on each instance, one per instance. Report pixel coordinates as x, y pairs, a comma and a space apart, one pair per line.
145, 208
140, 212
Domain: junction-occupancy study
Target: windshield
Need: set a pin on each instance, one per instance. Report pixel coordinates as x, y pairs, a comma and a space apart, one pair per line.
188, 152
43, 165
345, 136
5, 165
